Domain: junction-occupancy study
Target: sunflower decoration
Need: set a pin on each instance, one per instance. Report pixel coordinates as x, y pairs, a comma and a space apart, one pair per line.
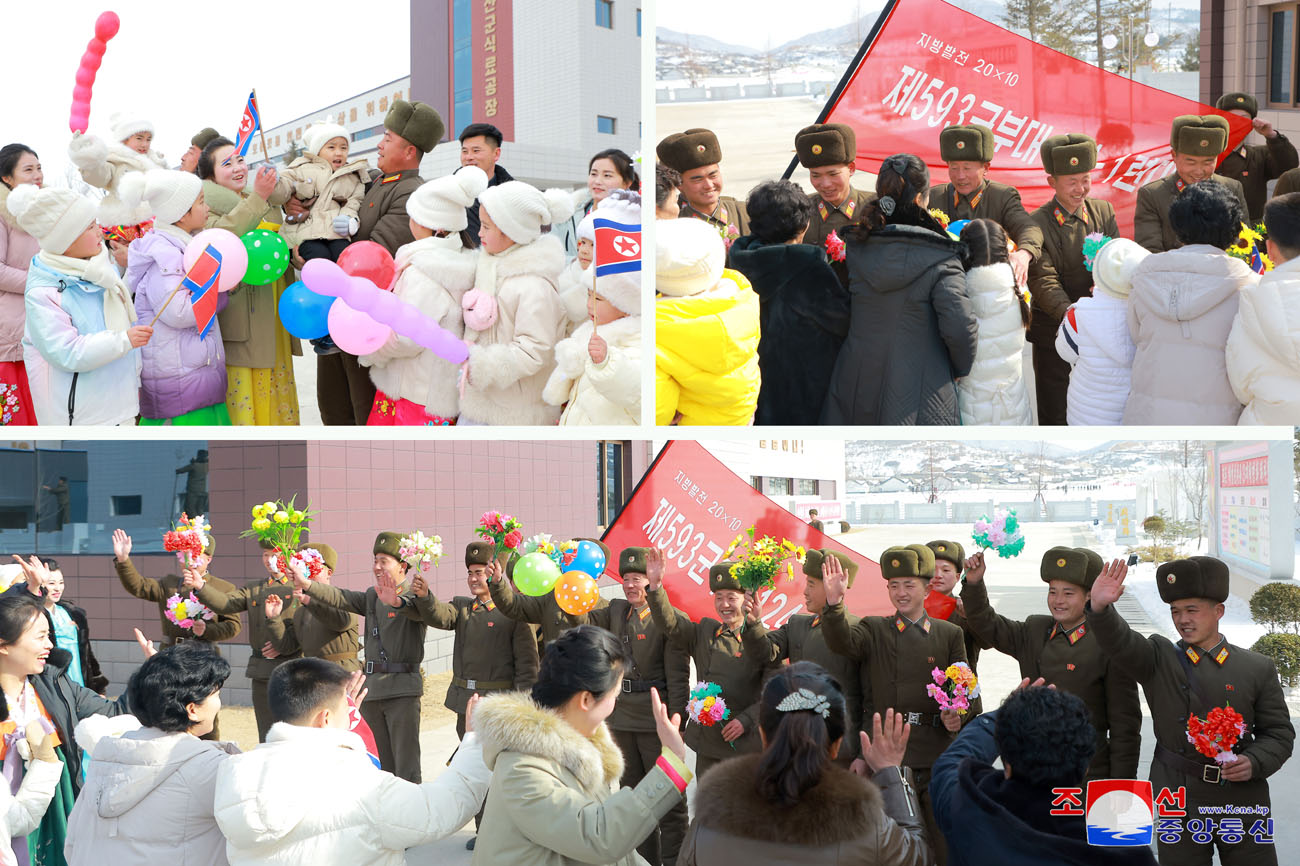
1249, 247
761, 558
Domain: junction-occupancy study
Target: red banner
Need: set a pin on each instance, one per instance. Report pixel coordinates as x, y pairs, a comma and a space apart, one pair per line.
933, 65
494, 65
693, 507
1244, 473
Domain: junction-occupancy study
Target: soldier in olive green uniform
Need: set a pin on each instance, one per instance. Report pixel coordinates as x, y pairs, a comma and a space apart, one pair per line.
829, 151
656, 664
1255, 165
718, 649
394, 651
1060, 649
900, 652
1200, 672
317, 630
540, 610
1058, 278
696, 154
1197, 142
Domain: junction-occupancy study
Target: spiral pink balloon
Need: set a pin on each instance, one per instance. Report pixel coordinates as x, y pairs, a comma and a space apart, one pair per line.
106, 27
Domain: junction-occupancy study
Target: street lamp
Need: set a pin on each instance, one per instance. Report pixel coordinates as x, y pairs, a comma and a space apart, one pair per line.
1110, 40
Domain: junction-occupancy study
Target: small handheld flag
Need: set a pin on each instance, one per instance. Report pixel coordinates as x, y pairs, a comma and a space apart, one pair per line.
201, 281
358, 726
618, 247
251, 123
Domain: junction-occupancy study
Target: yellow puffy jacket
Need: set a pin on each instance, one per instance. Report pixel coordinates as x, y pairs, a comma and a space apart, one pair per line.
706, 355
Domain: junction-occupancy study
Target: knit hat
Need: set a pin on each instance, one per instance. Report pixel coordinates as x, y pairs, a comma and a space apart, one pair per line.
812, 563
972, 143
1063, 155
440, 204
825, 144
720, 577
683, 151
201, 139
1241, 101
328, 555
914, 560
55, 217
416, 122
950, 551
320, 134
479, 553
689, 257
1114, 266
1077, 565
168, 194
623, 290
1194, 577
632, 561
126, 124
1199, 135
388, 542
520, 210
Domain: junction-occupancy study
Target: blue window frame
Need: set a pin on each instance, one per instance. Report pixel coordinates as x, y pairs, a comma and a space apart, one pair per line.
605, 13
605, 124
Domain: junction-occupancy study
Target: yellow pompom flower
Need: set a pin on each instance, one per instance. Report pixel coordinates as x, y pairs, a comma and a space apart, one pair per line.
281, 517
261, 524
179, 610
268, 507
257, 512
297, 517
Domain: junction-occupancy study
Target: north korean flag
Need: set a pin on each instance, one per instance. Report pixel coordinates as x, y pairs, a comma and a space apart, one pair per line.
248, 125
201, 281
618, 247
358, 726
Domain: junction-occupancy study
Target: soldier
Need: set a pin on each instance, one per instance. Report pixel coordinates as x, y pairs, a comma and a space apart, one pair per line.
196, 483
718, 649
1197, 142
900, 652
1058, 278
314, 630
696, 154
814, 521
1060, 649
969, 194
949, 559
829, 151
492, 653
540, 610
394, 651
656, 664
1254, 166
1199, 673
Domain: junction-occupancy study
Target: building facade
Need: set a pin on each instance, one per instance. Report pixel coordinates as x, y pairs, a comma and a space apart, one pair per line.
1251, 46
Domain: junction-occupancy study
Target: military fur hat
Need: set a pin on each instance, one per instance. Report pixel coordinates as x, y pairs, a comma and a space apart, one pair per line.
1063, 155
416, 122
328, 554
1199, 135
510, 566
914, 560
632, 560
1077, 565
951, 551
966, 143
201, 139
388, 542
812, 564
266, 544
211, 547
720, 577
683, 151
1240, 101
826, 144
479, 553
1194, 577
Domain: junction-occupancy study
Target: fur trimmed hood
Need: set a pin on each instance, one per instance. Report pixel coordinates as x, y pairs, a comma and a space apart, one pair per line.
543, 258
512, 722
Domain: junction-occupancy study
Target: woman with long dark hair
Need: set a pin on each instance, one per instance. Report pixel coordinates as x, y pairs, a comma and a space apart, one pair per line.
18, 164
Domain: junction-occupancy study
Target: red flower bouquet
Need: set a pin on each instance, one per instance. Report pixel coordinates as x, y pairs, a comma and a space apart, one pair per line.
1215, 737
188, 539
835, 247
503, 530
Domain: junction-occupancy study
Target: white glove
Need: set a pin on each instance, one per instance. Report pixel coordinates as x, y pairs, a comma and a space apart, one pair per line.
345, 226
87, 151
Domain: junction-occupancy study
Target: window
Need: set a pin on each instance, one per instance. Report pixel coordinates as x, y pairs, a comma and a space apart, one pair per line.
777, 486
368, 133
1282, 55
605, 13
613, 476
462, 67
805, 487
638, 22
123, 505
605, 124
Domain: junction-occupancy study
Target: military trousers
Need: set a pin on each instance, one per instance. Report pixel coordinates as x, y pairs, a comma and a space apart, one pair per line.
1203, 828
395, 722
261, 708
1051, 382
641, 749
344, 391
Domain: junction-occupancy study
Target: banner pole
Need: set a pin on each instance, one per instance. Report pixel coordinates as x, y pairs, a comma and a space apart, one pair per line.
266, 154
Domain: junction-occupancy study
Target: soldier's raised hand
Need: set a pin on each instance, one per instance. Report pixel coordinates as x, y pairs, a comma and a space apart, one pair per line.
273, 606
192, 578
386, 589
753, 607
654, 567
975, 567
121, 545
298, 569
420, 586
835, 579
1109, 585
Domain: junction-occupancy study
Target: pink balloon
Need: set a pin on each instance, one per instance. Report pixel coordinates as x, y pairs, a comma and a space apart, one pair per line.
325, 278
91, 62
107, 25
96, 47
85, 76
81, 93
355, 332
387, 307
234, 258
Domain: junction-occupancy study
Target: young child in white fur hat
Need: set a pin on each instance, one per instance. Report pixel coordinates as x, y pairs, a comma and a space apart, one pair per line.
413, 386
598, 368
575, 279
513, 315
104, 165
80, 336
1094, 338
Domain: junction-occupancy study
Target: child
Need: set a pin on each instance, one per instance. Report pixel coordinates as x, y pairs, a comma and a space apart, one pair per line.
104, 165
413, 386
667, 185
598, 369
706, 321
81, 324
183, 379
1094, 338
994, 392
575, 281
513, 315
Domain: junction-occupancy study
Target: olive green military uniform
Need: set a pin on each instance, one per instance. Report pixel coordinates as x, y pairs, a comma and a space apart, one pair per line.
827, 218
696, 148
1255, 165
819, 146
1180, 680
196, 483
1070, 659
728, 212
318, 630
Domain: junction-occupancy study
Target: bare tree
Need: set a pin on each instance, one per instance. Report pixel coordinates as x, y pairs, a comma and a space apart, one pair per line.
1038, 472
939, 482
1191, 477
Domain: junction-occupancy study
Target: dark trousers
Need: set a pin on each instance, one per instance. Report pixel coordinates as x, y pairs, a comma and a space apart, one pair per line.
640, 751
344, 391
460, 732
261, 708
1051, 381
324, 249
395, 723
1187, 851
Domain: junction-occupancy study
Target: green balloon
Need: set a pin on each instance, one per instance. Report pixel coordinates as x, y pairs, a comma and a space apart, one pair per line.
268, 257
536, 574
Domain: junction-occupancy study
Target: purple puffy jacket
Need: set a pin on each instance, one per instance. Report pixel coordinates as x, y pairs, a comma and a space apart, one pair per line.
181, 372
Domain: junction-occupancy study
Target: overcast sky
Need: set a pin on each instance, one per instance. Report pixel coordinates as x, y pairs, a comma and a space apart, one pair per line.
193, 66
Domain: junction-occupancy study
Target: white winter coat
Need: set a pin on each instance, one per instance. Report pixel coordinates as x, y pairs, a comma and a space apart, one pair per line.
311, 797
22, 812
1180, 312
994, 393
104, 166
1264, 348
438, 272
511, 361
1094, 339
608, 393
573, 285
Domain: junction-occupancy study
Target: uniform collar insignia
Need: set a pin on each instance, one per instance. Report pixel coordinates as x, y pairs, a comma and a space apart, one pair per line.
901, 622
1077, 634
1178, 184
722, 629
974, 200
1192, 654
849, 207
391, 178
643, 613
484, 605
822, 211
1059, 214
817, 620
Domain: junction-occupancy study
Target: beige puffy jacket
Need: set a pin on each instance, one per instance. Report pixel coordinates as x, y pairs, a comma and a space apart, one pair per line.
606, 393
103, 165
337, 193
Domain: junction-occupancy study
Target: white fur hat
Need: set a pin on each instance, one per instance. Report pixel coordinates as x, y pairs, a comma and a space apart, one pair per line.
55, 217
621, 290
126, 124
1112, 272
689, 257
320, 133
587, 228
440, 204
167, 194
520, 210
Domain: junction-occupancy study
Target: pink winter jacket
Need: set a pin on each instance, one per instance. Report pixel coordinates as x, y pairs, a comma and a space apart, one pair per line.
16, 251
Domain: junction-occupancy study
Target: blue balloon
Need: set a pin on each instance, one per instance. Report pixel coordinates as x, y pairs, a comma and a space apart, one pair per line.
955, 227
589, 559
304, 313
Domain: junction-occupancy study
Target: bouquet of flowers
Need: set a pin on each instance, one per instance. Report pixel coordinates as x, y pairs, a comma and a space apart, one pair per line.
502, 529
729, 234
1092, 245
706, 706
185, 612
560, 552
1215, 737
940, 217
835, 249
1002, 533
311, 561
955, 687
188, 538
418, 550
1249, 247
282, 525
761, 558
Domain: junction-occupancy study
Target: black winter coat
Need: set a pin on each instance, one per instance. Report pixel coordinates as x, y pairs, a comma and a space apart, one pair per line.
804, 317
68, 703
911, 331
94, 677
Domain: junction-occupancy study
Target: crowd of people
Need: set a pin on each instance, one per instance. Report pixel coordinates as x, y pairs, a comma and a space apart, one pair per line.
914, 304
575, 728
92, 332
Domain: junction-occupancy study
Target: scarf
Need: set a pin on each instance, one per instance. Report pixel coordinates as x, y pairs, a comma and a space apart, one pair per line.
119, 309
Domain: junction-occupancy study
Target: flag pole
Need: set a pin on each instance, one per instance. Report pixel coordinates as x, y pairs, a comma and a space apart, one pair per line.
266, 154
179, 286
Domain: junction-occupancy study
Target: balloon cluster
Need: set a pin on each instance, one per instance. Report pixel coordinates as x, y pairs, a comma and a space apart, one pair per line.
257, 258
106, 27
575, 590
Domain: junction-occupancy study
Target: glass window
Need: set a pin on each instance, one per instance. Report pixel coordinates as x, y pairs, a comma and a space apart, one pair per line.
638, 22
777, 486
368, 133
606, 125
805, 487
1281, 55
462, 67
610, 476
605, 13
